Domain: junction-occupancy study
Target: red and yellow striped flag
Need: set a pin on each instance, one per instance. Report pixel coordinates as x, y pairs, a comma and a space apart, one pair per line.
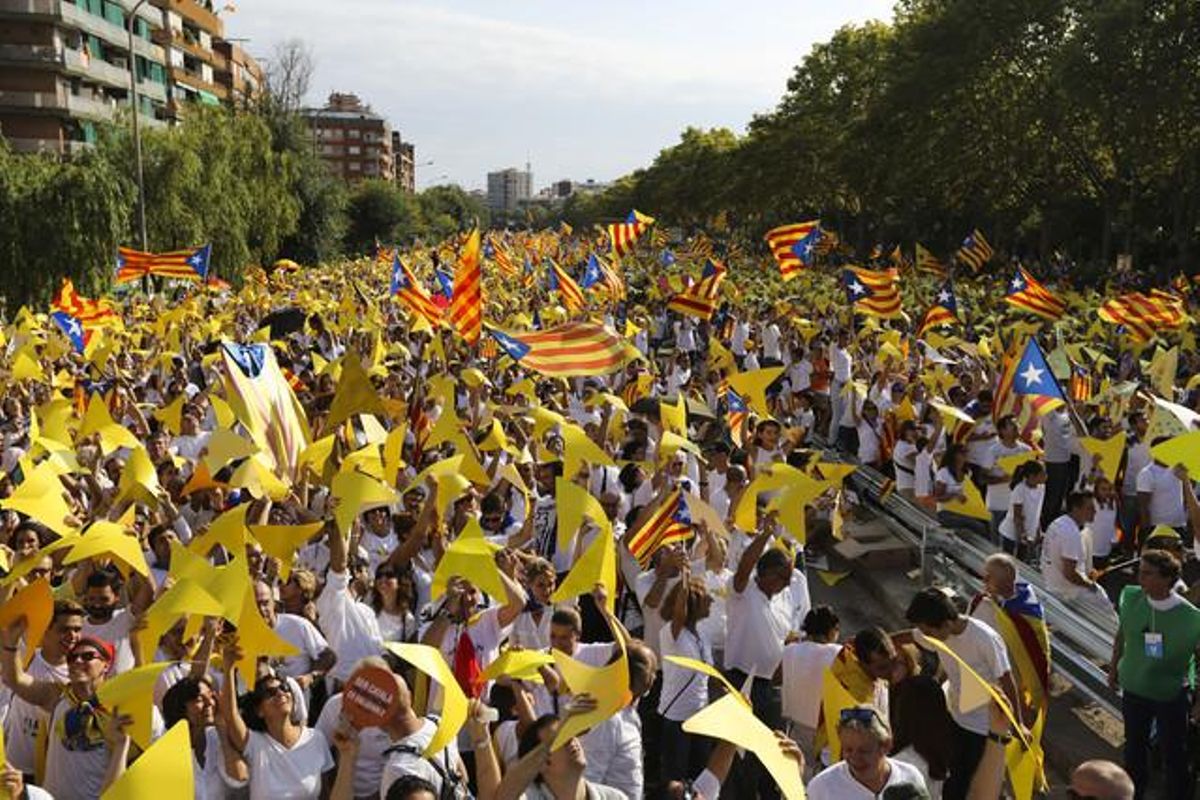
568, 289
466, 307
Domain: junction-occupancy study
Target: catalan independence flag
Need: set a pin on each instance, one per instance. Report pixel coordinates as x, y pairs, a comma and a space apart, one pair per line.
874, 292
73, 329
623, 236
466, 307
183, 265
502, 259
1027, 294
928, 262
265, 404
1143, 315
1021, 622
575, 348
672, 522
944, 310
568, 290
702, 297
408, 291
794, 246
736, 412
90, 313
975, 251
1032, 380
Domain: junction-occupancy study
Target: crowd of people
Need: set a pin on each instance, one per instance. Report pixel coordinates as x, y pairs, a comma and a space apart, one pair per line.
611, 531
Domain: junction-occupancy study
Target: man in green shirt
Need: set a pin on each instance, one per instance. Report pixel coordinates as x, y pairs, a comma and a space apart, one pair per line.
1153, 654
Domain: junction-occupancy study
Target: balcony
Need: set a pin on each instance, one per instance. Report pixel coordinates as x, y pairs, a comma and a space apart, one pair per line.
61, 103
31, 54
113, 75
55, 146
75, 17
215, 59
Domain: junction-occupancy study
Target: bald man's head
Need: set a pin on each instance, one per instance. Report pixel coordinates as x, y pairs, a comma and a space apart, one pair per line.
1102, 780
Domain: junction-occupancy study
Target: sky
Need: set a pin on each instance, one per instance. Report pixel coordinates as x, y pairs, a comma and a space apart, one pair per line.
580, 90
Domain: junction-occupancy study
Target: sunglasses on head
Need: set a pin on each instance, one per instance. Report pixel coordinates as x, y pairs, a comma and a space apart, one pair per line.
864, 714
85, 657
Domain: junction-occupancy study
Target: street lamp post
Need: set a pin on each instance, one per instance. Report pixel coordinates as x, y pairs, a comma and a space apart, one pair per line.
137, 134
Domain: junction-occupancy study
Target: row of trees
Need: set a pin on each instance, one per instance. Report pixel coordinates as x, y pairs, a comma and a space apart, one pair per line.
248, 181
1068, 125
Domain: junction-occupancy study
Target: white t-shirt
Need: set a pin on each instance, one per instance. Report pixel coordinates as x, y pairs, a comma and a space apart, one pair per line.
1137, 456
904, 457
836, 782
1029, 498
350, 627
868, 443
1104, 530
212, 782
756, 627
684, 691
76, 764
368, 770
652, 617
1166, 495
923, 475
804, 665
404, 763
23, 719
983, 651
997, 493
1065, 540
954, 486
279, 773
306, 638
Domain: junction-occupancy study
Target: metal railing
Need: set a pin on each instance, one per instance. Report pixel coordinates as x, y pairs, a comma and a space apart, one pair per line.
1080, 642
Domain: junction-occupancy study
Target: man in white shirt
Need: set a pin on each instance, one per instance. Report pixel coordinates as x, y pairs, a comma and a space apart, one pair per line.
1137, 456
1067, 557
1062, 460
981, 648
1160, 496
759, 620
315, 657
350, 626
842, 366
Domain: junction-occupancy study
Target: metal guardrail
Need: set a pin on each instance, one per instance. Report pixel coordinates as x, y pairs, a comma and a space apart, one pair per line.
1080, 642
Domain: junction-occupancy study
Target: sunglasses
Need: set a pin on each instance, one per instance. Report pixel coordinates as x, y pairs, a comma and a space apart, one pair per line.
82, 658
273, 691
864, 714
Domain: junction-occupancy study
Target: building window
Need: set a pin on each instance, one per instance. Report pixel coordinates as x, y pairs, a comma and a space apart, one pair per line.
354, 149
354, 166
355, 133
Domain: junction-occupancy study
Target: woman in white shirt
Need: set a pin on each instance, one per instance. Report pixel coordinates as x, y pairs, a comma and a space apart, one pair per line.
1104, 525
684, 691
285, 759
867, 424
217, 769
1020, 529
803, 667
393, 597
948, 486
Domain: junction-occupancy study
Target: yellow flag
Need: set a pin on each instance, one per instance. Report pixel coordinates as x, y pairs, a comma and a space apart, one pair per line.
26, 368
257, 639
973, 506
113, 539
354, 490
225, 446
168, 763
731, 721
1108, 451
522, 665
430, 661
574, 503
1163, 367
674, 416
186, 597
354, 394
752, 386
132, 692
40, 496
608, 686
282, 541
834, 698
35, 603
597, 565
1183, 449
578, 449
473, 557
227, 530
172, 415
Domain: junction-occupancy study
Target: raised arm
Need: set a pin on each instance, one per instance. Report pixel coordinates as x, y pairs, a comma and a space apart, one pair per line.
515, 597
43, 694
235, 727
749, 559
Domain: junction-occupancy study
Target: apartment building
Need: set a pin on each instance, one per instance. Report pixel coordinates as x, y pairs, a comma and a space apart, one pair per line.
354, 141
64, 68
508, 188
405, 157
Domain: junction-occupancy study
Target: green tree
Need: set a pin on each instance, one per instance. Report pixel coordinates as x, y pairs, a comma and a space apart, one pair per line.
380, 212
61, 219
449, 209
